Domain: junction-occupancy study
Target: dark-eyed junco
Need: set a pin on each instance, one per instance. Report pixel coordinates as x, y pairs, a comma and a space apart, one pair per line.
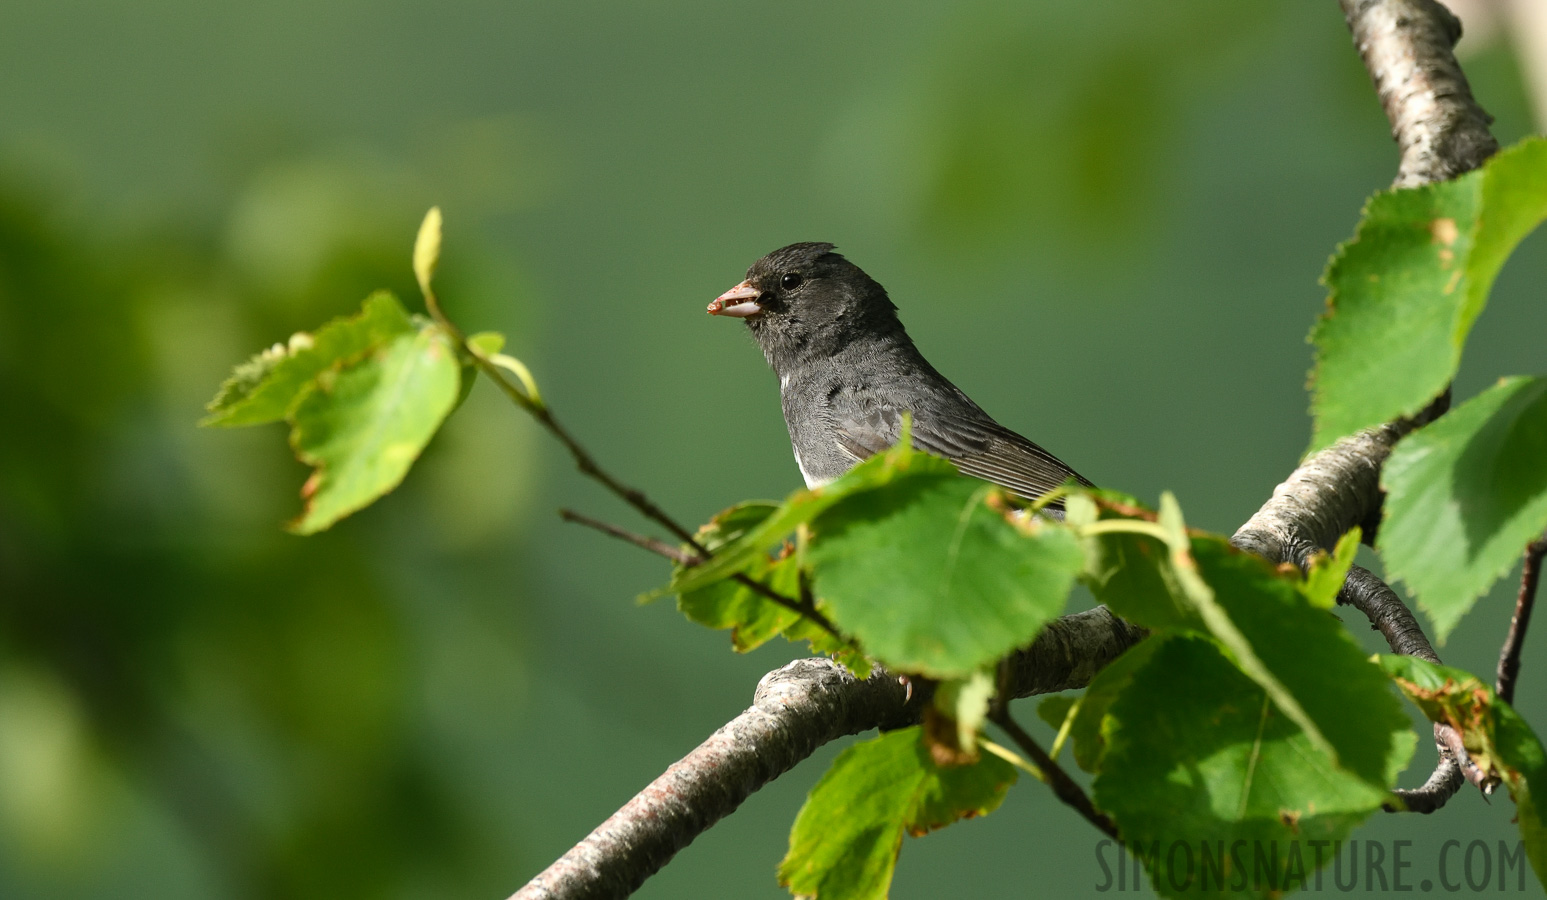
848, 372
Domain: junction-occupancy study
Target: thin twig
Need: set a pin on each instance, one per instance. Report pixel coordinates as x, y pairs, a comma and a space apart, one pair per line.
634, 497
1509, 656
587, 464
654, 545
805, 608
1063, 786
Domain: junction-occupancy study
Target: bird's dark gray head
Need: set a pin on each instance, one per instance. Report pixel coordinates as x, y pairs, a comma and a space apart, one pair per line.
805, 300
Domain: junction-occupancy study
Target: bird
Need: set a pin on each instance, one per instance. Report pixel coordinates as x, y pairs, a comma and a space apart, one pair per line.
849, 373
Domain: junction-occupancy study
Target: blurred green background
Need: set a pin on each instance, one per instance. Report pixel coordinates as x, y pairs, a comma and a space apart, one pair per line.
1104, 221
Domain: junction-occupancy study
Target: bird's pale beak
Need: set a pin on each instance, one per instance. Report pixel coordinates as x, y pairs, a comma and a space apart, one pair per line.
740, 301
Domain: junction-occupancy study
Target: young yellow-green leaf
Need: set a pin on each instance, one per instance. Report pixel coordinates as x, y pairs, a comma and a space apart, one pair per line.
362, 426
487, 342
845, 841
1328, 572
1465, 494
804, 505
427, 249
1405, 291
932, 576
1199, 759
1495, 737
264, 388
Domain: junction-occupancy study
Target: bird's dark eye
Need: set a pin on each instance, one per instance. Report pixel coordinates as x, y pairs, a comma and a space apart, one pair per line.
791, 281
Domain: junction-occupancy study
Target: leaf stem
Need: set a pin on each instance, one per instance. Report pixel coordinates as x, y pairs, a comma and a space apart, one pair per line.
1063, 786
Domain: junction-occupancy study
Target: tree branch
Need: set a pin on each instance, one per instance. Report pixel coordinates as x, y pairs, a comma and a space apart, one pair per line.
797, 709
1388, 614
1442, 132
1406, 46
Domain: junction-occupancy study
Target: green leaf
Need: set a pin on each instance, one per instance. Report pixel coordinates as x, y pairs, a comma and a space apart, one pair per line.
1128, 572
361, 427
1328, 572
1089, 742
802, 506
752, 618
1495, 737
1220, 624
845, 841
1465, 494
1311, 656
932, 575
1406, 290
266, 387
1198, 754
1172, 580
1526, 775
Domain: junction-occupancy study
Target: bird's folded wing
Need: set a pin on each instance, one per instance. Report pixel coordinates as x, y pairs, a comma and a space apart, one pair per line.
979, 447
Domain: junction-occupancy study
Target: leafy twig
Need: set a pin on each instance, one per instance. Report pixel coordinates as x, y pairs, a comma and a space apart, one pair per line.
426, 257
1509, 656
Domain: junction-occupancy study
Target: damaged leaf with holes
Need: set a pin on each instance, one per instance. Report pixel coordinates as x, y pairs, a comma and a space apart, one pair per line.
1496, 738
267, 386
362, 426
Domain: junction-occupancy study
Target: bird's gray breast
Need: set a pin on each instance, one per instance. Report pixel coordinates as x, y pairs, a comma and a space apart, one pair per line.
815, 404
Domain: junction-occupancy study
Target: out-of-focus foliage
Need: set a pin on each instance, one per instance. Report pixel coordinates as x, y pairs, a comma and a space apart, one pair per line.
172, 666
